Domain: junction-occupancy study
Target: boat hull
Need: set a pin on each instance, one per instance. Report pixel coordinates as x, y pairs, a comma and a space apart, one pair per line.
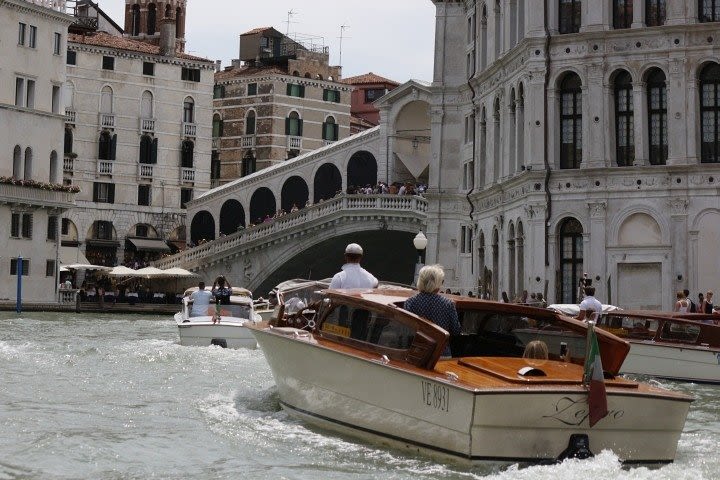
201, 332
687, 363
385, 404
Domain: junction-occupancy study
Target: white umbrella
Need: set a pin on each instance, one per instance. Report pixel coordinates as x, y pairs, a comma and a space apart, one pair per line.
177, 272
83, 266
122, 271
150, 272
63, 269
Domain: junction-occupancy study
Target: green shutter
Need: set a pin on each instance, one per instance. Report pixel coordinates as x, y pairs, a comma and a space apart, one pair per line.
324, 131
302, 91
289, 89
287, 126
336, 131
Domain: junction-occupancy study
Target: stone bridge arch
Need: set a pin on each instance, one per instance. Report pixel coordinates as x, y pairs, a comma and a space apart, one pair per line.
327, 182
262, 204
362, 169
232, 216
294, 192
202, 227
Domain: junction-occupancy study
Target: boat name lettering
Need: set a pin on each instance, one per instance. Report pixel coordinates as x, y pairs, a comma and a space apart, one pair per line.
575, 411
436, 396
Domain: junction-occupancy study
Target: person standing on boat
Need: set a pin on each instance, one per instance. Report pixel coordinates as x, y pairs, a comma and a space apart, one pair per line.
201, 301
590, 307
427, 303
221, 290
353, 275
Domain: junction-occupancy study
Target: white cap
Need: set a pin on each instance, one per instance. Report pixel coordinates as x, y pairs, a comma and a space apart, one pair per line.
354, 248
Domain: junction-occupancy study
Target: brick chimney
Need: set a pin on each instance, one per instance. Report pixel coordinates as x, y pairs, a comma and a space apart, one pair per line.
168, 38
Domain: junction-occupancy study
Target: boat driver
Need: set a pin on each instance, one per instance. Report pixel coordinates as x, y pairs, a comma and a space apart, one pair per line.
201, 301
352, 274
590, 307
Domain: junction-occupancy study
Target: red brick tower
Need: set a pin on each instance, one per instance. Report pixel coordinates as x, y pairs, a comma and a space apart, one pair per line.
144, 20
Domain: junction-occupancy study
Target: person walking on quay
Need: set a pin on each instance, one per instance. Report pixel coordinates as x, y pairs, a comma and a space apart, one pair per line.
352, 274
590, 307
427, 303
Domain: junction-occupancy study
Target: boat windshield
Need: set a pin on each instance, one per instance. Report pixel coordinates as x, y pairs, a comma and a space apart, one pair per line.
232, 310
367, 326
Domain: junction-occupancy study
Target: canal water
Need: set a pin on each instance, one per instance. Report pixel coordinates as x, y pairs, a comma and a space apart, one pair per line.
116, 397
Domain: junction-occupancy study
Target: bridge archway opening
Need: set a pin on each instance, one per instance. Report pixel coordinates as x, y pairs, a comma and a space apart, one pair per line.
328, 181
262, 204
411, 143
232, 216
362, 169
294, 192
202, 227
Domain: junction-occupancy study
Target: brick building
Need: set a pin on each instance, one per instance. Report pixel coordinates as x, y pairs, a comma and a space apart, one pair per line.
280, 99
367, 88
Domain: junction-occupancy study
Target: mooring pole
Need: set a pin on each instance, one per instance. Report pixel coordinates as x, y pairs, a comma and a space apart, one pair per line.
19, 270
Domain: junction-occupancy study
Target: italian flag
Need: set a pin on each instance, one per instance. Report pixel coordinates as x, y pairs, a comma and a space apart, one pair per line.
597, 397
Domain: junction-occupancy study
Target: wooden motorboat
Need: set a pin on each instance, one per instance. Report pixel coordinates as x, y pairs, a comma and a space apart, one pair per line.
356, 362
225, 326
677, 346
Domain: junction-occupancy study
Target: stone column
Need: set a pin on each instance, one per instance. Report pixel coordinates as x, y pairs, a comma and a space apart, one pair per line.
692, 121
640, 117
434, 188
594, 98
534, 13
677, 96
594, 16
595, 263
678, 207
534, 246
682, 12
638, 14
520, 160
535, 122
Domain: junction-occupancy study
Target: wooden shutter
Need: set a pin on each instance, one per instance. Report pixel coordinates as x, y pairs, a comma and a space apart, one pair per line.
153, 151
302, 91
336, 131
111, 193
287, 126
300, 125
289, 89
96, 192
113, 147
324, 127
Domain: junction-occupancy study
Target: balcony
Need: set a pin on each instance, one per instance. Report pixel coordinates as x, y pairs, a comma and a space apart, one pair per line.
215, 143
23, 195
145, 171
107, 120
189, 129
70, 115
294, 143
247, 141
57, 5
68, 164
187, 174
105, 167
147, 125
214, 182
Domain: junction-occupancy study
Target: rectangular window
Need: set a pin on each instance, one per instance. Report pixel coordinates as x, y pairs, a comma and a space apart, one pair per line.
108, 63
50, 268
709, 10
15, 225
186, 194
149, 69
14, 267
30, 94
71, 58
144, 195
27, 225
330, 95
104, 192
32, 38
141, 231
622, 13
56, 99
52, 227
190, 74
295, 90
103, 230
570, 16
252, 89
57, 43
655, 12
22, 28
19, 92
65, 229
219, 91
373, 94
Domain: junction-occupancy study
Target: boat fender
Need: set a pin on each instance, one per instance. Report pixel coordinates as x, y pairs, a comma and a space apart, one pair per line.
220, 342
578, 447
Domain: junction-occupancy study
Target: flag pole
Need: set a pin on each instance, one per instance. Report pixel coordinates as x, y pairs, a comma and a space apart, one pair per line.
590, 331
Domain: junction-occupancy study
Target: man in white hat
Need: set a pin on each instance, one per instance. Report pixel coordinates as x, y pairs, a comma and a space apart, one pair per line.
353, 275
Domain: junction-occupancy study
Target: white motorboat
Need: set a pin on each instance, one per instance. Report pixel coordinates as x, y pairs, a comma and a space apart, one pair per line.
676, 346
222, 325
357, 363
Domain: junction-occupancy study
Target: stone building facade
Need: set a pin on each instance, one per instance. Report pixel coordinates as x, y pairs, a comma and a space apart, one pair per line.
282, 101
137, 141
32, 48
573, 137
368, 88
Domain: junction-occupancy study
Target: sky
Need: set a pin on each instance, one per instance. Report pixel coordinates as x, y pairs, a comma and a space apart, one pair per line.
392, 38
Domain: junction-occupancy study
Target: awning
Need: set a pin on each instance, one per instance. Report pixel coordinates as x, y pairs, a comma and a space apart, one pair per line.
72, 255
149, 244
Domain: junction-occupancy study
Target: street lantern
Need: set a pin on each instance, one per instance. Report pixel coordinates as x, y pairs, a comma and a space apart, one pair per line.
420, 242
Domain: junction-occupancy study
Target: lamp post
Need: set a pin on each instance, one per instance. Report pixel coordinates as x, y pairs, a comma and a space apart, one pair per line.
420, 242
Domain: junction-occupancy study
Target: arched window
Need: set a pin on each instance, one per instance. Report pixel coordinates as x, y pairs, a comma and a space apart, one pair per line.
496, 139
135, 20
570, 16
495, 263
105, 146
187, 153
146, 105
189, 110
511, 261
571, 259
520, 254
483, 147
513, 22
293, 125
570, 121
179, 30
483, 38
217, 126
624, 120
168, 11
146, 150
53, 177
482, 291
657, 117
622, 13
330, 130
710, 113
520, 125
655, 12
106, 100
27, 171
17, 162
250, 123
512, 166
151, 19
709, 10
498, 30
68, 147
249, 164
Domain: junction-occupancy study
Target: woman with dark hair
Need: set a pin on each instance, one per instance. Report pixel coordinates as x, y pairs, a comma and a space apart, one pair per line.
221, 290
